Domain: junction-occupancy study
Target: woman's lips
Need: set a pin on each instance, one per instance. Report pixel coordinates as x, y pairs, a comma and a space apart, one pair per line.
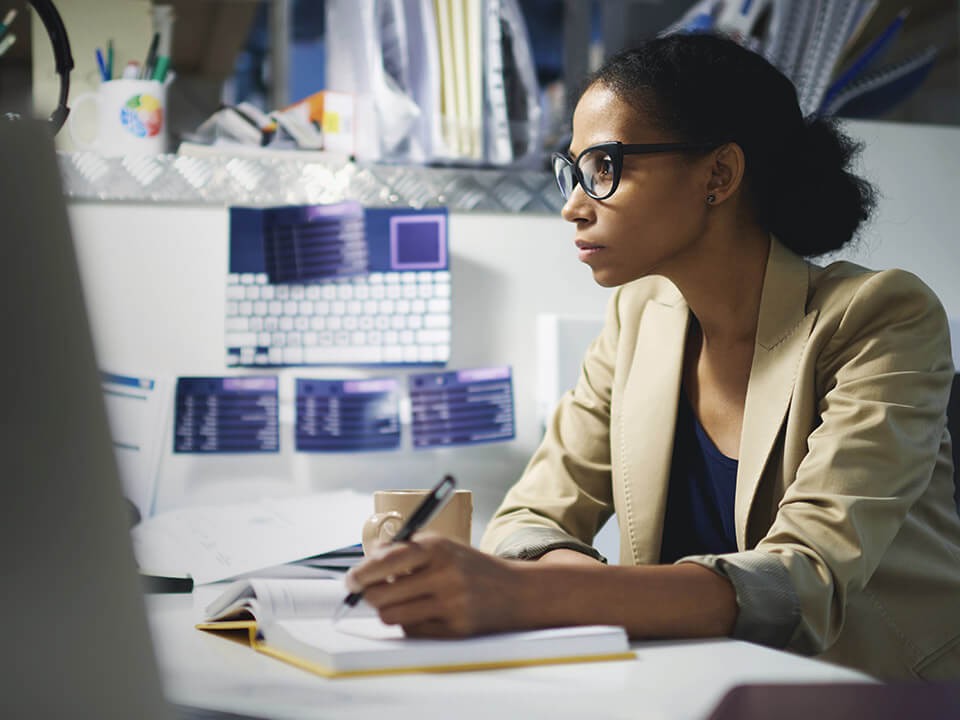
587, 250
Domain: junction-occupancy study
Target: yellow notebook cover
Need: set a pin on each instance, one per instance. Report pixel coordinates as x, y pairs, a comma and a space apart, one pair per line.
365, 646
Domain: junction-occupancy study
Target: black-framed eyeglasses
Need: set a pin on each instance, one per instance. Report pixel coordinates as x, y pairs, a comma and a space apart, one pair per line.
598, 168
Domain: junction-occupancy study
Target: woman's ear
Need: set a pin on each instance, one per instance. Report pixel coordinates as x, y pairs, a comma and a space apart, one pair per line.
726, 172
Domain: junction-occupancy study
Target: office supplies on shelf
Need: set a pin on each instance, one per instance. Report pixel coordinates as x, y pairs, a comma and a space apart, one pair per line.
102, 66
868, 56
292, 622
338, 285
496, 120
213, 543
877, 92
7, 42
807, 41
440, 81
146, 70
833, 22
131, 71
8, 20
131, 118
160, 70
7, 38
163, 21
462, 407
110, 57
431, 505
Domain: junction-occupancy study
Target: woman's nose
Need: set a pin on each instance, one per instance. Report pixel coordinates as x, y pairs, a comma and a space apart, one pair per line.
576, 208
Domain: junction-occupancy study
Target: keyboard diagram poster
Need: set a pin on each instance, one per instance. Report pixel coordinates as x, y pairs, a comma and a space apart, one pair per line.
337, 284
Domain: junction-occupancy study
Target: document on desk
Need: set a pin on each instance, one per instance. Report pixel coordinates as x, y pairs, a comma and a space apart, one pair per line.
218, 543
291, 620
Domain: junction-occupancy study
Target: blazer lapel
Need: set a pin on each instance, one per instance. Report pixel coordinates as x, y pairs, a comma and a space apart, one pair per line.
647, 421
782, 332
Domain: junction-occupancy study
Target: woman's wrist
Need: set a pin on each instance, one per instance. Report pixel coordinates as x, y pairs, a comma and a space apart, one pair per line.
649, 601
566, 556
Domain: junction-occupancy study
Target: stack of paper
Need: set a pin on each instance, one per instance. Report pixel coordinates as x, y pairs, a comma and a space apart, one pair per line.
210, 544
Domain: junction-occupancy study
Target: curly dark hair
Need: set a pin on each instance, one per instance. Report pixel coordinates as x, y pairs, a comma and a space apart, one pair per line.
702, 87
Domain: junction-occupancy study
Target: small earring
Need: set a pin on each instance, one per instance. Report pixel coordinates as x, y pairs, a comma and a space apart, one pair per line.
711, 198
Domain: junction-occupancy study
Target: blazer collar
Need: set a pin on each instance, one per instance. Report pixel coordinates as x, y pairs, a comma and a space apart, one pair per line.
652, 391
783, 328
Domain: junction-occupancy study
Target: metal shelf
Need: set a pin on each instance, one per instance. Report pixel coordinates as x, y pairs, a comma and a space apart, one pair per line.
271, 180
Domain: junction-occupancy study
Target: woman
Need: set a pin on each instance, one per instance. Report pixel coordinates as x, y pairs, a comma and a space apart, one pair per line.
770, 433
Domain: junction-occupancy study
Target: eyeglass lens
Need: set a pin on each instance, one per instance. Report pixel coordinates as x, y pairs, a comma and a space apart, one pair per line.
566, 179
596, 168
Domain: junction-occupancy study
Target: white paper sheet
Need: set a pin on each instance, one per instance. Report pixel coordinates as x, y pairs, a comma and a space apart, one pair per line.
217, 543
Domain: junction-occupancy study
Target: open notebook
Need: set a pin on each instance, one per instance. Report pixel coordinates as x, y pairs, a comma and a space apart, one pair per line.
291, 620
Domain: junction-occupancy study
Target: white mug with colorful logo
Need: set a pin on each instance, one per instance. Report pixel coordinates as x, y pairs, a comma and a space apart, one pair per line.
131, 118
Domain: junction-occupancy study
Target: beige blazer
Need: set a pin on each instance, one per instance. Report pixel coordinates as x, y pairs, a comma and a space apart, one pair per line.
847, 533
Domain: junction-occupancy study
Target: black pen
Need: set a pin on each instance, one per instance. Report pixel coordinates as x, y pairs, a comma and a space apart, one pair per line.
430, 506
146, 72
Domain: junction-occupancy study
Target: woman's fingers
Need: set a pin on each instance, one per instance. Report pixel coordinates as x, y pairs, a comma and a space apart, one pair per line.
385, 565
401, 588
415, 611
433, 586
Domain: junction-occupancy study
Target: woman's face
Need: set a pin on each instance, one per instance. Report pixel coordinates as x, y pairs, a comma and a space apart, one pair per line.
657, 212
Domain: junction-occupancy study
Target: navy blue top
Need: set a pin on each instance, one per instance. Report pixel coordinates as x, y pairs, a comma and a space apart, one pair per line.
703, 482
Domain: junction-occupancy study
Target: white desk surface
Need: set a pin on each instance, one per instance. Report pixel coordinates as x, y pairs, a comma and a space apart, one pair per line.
678, 679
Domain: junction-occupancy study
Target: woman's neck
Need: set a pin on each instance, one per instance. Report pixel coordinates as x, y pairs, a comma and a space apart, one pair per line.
723, 282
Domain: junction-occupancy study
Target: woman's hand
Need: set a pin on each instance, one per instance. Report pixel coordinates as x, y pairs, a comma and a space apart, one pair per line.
435, 587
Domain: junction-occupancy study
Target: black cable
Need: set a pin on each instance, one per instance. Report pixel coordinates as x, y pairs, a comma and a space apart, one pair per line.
63, 59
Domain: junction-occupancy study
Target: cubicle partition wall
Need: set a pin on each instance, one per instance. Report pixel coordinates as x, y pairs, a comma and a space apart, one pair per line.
154, 277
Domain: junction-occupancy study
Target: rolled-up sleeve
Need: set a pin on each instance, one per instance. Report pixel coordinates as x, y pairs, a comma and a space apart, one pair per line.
886, 375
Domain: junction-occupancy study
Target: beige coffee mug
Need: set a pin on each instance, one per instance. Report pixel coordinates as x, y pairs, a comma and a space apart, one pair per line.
393, 507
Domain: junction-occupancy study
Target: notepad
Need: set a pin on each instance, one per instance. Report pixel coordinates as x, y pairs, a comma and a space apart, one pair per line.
291, 621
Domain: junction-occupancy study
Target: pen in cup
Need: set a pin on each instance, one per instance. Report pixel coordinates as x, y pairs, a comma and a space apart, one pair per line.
431, 505
7, 21
6, 42
146, 70
102, 66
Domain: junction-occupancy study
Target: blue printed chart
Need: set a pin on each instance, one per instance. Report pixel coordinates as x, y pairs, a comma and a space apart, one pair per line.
347, 415
462, 407
227, 415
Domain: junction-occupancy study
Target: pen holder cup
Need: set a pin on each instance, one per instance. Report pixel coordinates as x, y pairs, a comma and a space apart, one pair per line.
130, 118
392, 508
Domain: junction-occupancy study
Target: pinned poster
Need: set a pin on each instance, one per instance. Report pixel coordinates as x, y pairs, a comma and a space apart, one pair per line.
462, 407
137, 409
